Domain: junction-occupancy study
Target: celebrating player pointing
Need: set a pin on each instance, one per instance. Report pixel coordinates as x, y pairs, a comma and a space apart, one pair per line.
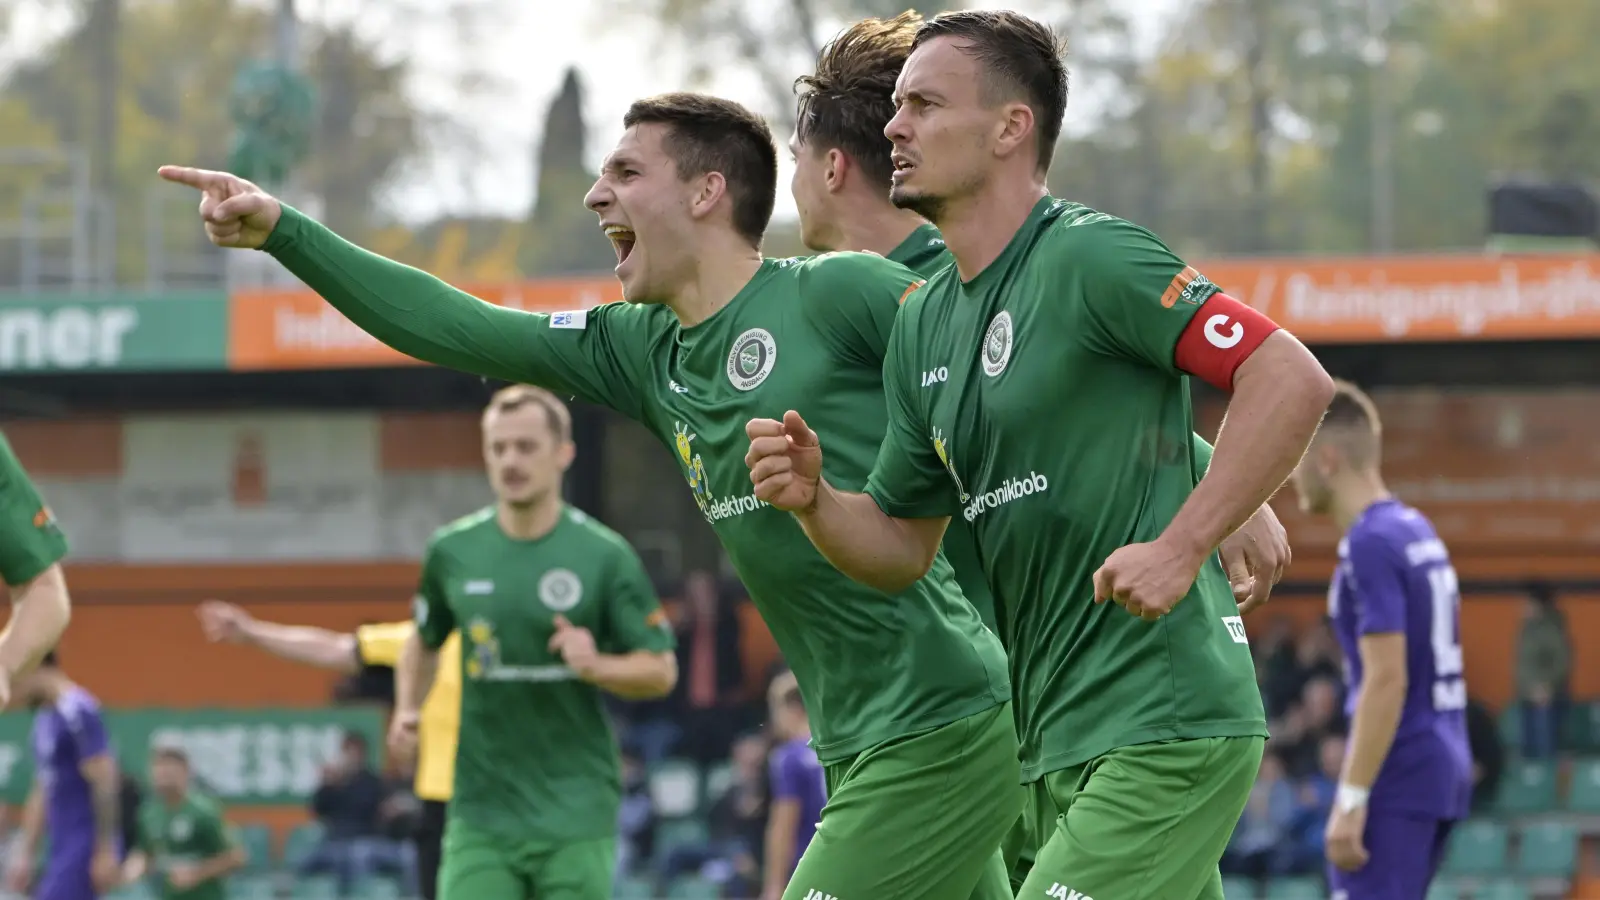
1061, 432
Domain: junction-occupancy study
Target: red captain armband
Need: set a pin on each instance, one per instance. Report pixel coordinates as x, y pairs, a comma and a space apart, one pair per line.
1220, 337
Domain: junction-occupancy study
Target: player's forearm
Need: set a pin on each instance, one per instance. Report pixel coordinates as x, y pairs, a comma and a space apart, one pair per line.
405, 308
781, 830
866, 544
641, 675
1279, 396
221, 864
1372, 728
40, 611
305, 644
105, 793
32, 822
413, 678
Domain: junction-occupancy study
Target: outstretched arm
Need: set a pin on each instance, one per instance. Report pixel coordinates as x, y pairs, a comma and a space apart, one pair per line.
591, 354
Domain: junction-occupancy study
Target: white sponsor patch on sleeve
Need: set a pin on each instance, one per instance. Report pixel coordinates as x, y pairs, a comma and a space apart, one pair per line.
578, 319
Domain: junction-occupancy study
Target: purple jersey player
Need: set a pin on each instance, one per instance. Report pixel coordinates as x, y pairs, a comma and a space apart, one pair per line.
798, 784
1395, 607
76, 789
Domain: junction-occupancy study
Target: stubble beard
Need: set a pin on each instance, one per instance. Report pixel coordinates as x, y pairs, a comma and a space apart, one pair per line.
925, 205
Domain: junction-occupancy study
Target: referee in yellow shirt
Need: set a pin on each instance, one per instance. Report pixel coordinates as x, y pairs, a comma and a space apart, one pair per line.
371, 645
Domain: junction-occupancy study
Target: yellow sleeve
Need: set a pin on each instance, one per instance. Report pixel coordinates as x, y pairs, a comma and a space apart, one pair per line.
379, 645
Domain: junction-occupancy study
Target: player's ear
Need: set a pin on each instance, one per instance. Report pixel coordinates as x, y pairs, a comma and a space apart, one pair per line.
1014, 132
565, 454
835, 164
709, 189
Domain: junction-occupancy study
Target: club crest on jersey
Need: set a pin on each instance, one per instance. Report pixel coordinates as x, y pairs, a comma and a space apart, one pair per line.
943, 449
751, 360
560, 590
996, 350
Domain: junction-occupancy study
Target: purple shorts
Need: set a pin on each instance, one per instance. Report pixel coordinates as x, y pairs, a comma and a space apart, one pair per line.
1403, 854
65, 880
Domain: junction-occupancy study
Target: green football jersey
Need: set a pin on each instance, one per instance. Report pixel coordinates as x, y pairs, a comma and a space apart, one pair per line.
923, 252
184, 835
536, 757
30, 541
804, 334
1062, 433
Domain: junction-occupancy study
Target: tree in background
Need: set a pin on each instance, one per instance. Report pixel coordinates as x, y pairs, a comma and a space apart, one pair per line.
561, 236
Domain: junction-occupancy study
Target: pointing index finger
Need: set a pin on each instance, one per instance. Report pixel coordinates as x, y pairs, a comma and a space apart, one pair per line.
199, 179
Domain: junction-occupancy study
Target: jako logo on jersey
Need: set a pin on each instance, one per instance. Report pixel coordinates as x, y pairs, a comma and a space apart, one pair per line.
695, 473
935, 376
1217, 338
1008, 491
814, 894
560, 590
1060, 891
996, 349
751, 360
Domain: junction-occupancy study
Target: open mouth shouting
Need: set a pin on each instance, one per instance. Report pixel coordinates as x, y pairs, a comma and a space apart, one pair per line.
622, 240
903, 166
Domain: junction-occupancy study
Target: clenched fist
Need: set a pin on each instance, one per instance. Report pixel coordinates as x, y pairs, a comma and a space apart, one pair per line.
236, 213
785, 461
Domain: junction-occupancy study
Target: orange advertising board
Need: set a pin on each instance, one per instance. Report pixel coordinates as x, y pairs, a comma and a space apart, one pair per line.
1424, 298
293, 328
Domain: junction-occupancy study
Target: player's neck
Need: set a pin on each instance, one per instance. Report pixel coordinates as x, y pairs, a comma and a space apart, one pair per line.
721, 269
877, 227
173, 799
977, 228
529, 523
53, 687
1353, 499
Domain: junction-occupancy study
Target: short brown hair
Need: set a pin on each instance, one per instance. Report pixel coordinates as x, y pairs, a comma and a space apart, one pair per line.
1022, 58
1352, 419
516, 396
847, 102
709, 134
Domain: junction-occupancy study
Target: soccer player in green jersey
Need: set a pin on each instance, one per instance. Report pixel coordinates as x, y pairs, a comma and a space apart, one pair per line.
842, 178
907, 692
552, 609
31, 548
182, 838
1062, 435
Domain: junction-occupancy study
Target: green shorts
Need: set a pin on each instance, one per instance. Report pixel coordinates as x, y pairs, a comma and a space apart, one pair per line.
1019, 846
919, 817
1147, 822
479, 865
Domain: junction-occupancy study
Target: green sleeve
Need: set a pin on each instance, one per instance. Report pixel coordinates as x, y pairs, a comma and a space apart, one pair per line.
1138, 296
634, 618
141, 833
909, 480
30, 540
431, 606
597, 355
217, 836
1202, 457
852, 300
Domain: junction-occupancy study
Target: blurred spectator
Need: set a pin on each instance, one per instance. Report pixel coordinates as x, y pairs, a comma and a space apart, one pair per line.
1278, 668
1488, 755
349, 804
636, 819
1304, 852
1544, 665
737, 823
710, 690
1262, 843
1314, 716
798, 785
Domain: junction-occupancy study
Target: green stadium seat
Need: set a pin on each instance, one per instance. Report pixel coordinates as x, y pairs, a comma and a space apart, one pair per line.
1296, 889
1503, 889
316, 887
252, 887
675, 787
1548, 850
1510, 723
377, 889
1238, 889
139, 890
719, 777
1583, 793
300, 842
1445, 889
1582, 727
1529, 788
634, 889
692, 888
1478, 847
257, 843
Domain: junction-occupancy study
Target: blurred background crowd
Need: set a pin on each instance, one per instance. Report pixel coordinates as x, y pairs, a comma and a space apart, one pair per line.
1408, 185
